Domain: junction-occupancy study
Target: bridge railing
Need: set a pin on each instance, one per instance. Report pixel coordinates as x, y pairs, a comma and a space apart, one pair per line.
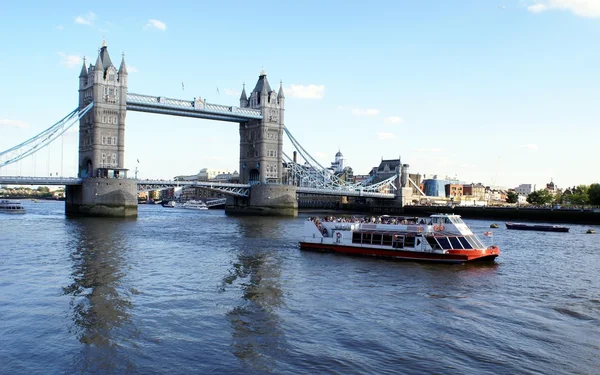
191, 105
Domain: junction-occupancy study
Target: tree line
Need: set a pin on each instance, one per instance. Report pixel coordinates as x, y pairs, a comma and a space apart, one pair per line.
582, 195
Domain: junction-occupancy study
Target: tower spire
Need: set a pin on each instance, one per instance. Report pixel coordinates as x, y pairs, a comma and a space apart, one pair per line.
123, 67
83, 73
244, 96
99, 66
280, 95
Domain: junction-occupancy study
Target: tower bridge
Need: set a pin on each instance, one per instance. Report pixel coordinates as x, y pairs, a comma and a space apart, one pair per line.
103, 188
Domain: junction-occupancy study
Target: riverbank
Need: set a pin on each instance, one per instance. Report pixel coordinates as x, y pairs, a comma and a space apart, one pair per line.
548, 215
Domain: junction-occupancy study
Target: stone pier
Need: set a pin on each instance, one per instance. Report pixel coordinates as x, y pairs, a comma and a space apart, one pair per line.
265, 200
106, 197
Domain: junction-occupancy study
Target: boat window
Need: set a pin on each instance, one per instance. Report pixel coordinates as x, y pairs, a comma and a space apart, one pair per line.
409, 242
477, 243
465, 243
433, 243
471, 242
387, 239
444, 243
366, 238
398, 241
356, 237
376, 239
456, 220
455, 243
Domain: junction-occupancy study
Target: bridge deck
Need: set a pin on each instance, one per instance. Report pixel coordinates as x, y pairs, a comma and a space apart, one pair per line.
241, 190
190, 108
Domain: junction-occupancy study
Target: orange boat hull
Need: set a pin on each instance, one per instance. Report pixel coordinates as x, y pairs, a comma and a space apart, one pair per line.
452, 256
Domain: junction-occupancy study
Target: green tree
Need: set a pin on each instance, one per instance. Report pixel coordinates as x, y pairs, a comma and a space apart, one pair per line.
558, 198
580, 196
512, 197
540, 197
594, 194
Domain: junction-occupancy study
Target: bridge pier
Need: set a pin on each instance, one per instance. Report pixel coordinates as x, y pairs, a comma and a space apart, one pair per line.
107, 197
265, 200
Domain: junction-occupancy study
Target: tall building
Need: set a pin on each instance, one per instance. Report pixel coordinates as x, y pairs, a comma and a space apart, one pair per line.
102, 130
338, 165
261, 141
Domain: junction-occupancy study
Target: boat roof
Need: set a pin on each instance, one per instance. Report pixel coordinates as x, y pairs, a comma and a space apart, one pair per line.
444, 215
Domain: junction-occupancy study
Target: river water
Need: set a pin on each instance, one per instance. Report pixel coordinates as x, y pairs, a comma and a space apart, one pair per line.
184, 292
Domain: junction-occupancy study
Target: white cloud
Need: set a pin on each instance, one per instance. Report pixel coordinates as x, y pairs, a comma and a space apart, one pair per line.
156, 24
531, 146
305, 92
468, 166
70, 61
429, 150
365, 112
87, 19
537, 8
132, 69
13, 124
583, 8
232, 92
393, 120
385, 136
60, 27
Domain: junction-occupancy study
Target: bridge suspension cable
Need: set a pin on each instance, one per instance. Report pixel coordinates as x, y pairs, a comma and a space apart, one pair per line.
314, 165
314, 175
43, 139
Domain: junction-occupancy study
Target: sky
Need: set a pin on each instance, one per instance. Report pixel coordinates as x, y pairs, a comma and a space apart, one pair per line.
498, 92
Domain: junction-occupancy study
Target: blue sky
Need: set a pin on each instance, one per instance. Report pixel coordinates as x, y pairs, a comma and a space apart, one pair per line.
498, 92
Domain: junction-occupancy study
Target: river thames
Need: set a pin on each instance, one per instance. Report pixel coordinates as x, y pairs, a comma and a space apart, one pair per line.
194, 292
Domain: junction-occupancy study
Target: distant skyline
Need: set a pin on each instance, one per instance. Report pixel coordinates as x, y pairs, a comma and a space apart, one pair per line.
502, 93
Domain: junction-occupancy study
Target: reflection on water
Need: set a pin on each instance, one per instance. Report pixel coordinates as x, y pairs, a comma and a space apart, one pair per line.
98, 306
256, 272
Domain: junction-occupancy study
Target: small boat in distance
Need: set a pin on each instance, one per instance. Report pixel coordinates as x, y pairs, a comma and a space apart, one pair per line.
11, 207
195, 205
537, 227
439, 238
169, 204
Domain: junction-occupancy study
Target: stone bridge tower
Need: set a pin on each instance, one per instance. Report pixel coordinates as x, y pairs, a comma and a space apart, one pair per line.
105, 189
102, 130
261, 141
261, 155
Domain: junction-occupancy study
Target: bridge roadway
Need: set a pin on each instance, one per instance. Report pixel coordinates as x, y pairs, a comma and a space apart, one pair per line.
187, 108
240, 190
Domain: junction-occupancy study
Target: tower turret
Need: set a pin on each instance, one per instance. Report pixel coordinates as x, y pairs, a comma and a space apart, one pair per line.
243, 97
83, 73
280, 95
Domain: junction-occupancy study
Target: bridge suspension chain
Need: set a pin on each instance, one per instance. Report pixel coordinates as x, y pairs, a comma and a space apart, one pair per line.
315, 166
43, 139
318, 177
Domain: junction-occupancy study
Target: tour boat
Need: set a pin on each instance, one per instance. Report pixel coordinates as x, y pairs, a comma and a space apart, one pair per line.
439, 238
11, 207
195, 205
537, 227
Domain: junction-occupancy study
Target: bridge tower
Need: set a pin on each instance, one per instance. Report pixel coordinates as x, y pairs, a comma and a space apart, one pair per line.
261, 154
105, 190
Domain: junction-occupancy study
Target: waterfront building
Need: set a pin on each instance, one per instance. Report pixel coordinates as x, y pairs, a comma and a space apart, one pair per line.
524, 189
337, 166
476, 191
205, 174
454, 190
435, 187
